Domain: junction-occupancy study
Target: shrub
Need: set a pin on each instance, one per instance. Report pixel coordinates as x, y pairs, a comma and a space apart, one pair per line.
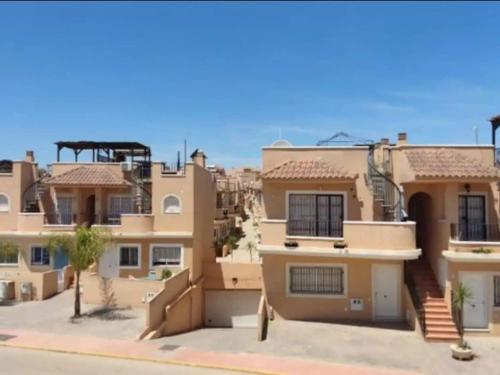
166, 274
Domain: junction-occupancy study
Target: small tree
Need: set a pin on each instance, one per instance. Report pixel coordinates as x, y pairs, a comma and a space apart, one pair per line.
83, 248
461, 296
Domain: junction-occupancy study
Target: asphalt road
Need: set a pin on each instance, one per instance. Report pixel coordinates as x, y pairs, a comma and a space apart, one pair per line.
31, 362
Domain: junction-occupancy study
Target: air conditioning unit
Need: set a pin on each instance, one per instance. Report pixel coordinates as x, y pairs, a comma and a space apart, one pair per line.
26, 291
5, 290
126, 167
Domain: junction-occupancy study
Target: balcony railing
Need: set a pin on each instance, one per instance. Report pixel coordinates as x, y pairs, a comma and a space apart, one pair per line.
478, 232
314, 228
60, 219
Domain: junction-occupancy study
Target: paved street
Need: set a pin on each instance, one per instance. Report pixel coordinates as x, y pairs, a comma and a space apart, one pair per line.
28, 362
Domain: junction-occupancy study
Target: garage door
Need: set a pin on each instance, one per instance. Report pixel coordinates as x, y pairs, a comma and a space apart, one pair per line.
231, 308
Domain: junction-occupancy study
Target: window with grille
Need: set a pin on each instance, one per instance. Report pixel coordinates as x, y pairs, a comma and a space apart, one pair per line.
40, 256
129, 256
319, 280
319, 215
496, 290
166, 256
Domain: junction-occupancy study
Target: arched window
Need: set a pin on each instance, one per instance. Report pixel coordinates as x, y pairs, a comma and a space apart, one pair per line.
171, 204
4, 203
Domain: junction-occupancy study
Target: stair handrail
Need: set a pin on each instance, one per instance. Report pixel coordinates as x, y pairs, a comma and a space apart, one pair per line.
138, 183
34, 185
417, 302
373, 170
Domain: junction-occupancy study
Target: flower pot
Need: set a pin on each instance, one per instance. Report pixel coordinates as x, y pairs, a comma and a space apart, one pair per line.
291, 244
460, 353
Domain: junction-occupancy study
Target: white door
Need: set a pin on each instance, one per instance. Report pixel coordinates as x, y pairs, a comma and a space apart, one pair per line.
109, 264
475, 314
228, 308
386, 291
60, 280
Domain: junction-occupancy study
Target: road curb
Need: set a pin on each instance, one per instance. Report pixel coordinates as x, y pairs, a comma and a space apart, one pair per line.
139, 358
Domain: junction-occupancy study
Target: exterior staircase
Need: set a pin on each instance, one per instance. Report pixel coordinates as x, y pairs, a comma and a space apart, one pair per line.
434, 316
386, 194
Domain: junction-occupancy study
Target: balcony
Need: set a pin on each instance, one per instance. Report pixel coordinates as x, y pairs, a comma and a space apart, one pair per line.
475, 237
365, 235
129, 223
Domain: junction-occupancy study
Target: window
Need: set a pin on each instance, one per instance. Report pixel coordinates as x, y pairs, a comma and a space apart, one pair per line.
166, 255
9, 259
4, 203
319, 215
40, 256
65, 210
119, 205
129, 256
496, 290
316, 280
171, 204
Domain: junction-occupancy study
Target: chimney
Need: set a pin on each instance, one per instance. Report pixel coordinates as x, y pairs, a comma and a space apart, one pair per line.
198, 158
402, 139
384, 141
495, 124
30, 156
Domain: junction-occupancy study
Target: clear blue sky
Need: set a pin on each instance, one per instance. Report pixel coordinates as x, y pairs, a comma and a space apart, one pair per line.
227, 76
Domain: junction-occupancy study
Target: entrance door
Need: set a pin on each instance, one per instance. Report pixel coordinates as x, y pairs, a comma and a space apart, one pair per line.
109, 264
475, 314
472, 225
386, 291
91, 210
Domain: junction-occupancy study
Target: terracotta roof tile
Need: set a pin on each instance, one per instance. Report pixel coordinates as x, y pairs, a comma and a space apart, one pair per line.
95, 175
448, 164
308, 169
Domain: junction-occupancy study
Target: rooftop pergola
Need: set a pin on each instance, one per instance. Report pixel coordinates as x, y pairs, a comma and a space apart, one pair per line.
113, 151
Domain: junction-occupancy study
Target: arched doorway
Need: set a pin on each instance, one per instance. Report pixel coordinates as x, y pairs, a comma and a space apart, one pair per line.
419, 210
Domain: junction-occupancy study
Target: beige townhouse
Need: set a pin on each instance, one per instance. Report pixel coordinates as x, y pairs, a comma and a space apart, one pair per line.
160, 218
376, 231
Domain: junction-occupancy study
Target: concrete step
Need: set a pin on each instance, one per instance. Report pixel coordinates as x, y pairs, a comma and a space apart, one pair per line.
436, 310
439, 323
435, 302
441, 337
435, 317
445, 330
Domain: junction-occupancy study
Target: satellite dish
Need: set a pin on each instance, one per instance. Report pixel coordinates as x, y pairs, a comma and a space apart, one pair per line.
281, 143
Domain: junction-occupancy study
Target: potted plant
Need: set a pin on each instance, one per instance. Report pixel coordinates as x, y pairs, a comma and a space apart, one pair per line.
340, 244
461, 296
291, 244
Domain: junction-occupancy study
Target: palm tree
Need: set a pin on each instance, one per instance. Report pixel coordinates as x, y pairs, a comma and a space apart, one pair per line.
83, 248
461, 296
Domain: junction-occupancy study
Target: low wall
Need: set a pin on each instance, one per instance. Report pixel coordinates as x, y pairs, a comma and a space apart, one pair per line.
43, 284
155, 308
380, 235
232, 276
411, 313
69, 276
118, 292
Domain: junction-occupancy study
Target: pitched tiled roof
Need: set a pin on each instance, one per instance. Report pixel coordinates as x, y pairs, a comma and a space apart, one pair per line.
308, 169
448, 164
94, 175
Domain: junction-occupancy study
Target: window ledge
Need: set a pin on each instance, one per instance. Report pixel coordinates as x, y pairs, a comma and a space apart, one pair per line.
315, 238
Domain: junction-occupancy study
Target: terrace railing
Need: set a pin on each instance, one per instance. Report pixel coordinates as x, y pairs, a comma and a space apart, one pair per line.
315, 228
475, 232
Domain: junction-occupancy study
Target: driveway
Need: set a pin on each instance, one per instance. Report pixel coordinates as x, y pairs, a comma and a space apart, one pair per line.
379, 347
53, 315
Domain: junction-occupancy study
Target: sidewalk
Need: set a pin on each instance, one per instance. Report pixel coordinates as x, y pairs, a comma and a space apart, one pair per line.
153, 352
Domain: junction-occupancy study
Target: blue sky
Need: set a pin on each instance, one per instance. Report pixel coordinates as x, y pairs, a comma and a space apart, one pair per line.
228, 76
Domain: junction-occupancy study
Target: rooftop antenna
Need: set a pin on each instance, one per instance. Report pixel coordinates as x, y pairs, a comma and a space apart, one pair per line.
185, 154
476, 133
